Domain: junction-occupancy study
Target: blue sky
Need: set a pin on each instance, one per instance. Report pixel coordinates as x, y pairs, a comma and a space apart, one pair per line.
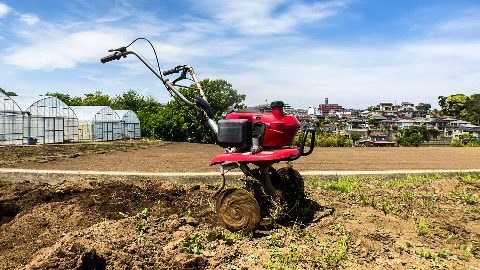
356, 52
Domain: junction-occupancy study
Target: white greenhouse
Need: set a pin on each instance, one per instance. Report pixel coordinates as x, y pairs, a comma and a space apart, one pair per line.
47, 120
98, 123
11, 121
130, 124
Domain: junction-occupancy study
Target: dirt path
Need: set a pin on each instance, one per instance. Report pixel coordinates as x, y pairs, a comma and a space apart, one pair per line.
187, 157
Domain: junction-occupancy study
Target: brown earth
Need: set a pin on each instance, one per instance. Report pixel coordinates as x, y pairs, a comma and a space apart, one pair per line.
187, 157
409, 222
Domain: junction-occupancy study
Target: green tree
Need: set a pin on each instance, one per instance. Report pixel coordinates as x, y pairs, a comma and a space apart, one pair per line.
423, 106
473, 109
69, 100
442, 101
355, 136
455, 105
178, 122
412, 136
8, 93
96, 98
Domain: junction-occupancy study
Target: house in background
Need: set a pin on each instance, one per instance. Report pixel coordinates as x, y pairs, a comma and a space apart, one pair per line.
378, 139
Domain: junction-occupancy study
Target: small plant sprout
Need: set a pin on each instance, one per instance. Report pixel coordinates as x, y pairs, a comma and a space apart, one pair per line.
194, 244
423, 228
186, 213
142, 225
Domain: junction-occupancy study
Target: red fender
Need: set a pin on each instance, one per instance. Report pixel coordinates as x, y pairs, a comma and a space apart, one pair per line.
262, 156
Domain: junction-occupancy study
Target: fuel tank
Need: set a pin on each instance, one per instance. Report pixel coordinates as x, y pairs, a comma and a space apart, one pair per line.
279, 128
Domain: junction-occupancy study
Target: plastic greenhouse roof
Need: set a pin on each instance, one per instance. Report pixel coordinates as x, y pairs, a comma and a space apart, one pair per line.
88, 113
26, 101
4, 100
129, 114
8, 104
121, 113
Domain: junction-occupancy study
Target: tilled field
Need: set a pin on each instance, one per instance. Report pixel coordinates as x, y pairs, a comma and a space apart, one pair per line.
409, 222
187, 157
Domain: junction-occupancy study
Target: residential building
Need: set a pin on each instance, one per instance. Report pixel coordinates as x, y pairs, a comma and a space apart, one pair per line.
328, 108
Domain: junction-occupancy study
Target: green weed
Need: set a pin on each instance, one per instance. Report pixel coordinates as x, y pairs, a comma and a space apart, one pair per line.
466, 197
444, 254
336, 251
467, 252
142, 224
348, 215
231, 237
469, 178
342, 185
423, 228
472, 213
284, 258
186, 213
409, 180
407, 248
194, 244
426, 254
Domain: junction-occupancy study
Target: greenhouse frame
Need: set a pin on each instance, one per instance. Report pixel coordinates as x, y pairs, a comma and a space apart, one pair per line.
47, 120
11, 121
98, 123
130, 124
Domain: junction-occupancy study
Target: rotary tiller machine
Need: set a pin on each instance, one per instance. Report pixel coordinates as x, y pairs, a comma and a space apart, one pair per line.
253, 139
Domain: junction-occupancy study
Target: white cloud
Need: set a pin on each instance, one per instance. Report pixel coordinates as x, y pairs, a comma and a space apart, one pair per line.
30, 19
267, 17
415, 72
67, 50
4, 9
468, 25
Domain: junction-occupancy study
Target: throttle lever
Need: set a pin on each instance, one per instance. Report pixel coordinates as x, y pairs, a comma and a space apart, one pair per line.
181, 77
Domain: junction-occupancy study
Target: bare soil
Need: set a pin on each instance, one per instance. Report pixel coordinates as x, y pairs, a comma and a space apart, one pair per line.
408, 222
188, 157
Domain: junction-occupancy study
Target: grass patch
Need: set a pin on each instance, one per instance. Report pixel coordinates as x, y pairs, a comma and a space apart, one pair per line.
342, 185
411, 180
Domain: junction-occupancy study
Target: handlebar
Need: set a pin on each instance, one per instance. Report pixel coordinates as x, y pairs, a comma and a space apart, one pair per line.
108, 58
171, 71
174, 70
171, 86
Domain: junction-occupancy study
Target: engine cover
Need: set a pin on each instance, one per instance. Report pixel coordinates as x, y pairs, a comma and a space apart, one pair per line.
279, 128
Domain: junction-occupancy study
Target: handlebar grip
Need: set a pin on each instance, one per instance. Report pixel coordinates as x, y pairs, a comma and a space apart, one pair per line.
108, 58
170, 71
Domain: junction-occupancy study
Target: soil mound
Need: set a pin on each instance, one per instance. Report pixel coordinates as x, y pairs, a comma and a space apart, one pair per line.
91, 224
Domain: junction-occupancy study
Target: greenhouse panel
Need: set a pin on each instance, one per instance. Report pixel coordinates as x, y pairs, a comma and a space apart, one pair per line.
47, 120
98, 123
130, 124
11, 121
